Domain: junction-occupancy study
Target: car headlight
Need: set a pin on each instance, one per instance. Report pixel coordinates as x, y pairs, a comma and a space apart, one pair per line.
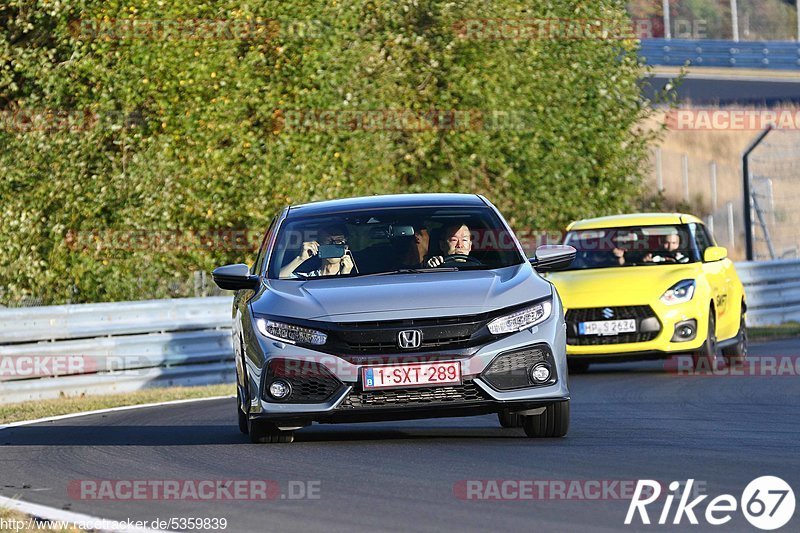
519, 320
683, 291
290, 333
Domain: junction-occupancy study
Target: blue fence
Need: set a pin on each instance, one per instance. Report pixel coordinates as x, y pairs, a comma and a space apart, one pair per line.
779, 55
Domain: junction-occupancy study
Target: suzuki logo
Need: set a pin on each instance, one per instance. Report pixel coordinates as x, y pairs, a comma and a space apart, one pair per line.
410, 338
608, 312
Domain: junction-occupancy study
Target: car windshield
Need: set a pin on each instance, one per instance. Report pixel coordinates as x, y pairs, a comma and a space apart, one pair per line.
632, 246
392, 241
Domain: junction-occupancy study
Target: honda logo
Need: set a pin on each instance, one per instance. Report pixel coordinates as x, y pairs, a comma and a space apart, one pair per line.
410, 338
608, 312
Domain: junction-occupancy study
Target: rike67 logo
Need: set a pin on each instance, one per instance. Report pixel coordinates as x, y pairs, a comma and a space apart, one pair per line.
767, 503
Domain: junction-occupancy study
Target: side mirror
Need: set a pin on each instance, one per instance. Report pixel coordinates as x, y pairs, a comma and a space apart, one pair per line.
714, 253
235, 277
553, 257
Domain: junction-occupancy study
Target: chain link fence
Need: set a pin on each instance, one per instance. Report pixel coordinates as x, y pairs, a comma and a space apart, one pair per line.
703, 187
738, 20
714, 191
775, 196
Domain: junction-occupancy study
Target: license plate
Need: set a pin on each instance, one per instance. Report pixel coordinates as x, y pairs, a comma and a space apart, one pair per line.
607, 327
389, 376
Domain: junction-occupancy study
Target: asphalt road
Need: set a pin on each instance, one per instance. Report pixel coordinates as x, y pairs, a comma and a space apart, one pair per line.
629, 422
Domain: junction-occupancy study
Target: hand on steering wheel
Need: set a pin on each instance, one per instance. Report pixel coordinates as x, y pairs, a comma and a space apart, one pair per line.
453, 258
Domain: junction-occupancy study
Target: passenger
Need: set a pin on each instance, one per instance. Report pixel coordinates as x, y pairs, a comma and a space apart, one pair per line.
618, 252
669, 252
417, 250
622, 254
456, 240
332, 266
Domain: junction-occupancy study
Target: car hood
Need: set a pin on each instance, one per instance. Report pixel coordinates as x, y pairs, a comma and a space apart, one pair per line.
401, 296
599, 287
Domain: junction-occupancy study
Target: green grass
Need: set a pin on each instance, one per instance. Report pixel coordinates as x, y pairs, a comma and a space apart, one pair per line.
784, 331
43, 408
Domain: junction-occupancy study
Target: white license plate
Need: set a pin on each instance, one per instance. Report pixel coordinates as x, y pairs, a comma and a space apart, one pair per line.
388, 376
607, 327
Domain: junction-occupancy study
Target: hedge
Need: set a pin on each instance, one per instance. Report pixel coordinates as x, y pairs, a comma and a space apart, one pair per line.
121, 121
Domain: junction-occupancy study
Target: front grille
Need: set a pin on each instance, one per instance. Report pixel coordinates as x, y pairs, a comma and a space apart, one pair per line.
421, 396
391, 347
380, 337
509, 370
647, 325
311, 382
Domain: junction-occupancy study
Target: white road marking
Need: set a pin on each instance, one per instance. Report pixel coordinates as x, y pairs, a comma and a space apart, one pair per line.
53, 514
59, 515
108, 410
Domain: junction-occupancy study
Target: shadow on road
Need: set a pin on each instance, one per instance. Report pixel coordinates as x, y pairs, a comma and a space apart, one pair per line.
145, 435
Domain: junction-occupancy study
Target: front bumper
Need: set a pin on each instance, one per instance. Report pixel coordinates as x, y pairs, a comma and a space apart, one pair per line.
337, 395
660, 346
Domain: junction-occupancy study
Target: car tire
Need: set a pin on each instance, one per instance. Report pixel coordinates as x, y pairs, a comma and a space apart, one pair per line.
705, 357
554, 422
240, 414
577, 367
509, 420
262, 432
737, 354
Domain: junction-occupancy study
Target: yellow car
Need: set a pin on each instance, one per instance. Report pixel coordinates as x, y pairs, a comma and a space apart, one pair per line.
649, 286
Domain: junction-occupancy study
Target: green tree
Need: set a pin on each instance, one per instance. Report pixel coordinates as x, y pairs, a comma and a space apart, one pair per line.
188, 133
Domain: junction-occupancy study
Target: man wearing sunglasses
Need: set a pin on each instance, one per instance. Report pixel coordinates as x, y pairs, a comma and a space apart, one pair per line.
332, 240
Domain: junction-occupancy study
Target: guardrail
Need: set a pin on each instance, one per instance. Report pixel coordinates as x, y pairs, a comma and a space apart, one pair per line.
72, 350
781, 55
773, 291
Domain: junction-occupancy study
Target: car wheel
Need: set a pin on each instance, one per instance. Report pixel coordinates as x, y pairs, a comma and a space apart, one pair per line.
241, 415
509, 420
737, 354
577, 367
705, 356
262, 432
554, 422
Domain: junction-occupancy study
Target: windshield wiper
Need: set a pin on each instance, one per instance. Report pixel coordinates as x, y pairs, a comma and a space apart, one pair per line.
411, 271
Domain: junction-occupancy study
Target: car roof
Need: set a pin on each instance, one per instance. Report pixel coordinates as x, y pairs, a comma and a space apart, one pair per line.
634, 219
387, 201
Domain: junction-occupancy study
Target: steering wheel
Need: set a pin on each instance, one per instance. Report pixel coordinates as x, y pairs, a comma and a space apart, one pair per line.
461, 258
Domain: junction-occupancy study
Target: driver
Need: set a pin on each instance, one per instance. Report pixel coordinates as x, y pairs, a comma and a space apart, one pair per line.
456, 240
332, 266
669, 252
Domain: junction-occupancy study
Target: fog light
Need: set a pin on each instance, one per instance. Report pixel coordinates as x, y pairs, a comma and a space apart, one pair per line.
279, 389
685, 331
540, 373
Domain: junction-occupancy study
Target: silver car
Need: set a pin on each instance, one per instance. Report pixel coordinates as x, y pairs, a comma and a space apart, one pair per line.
397, 307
